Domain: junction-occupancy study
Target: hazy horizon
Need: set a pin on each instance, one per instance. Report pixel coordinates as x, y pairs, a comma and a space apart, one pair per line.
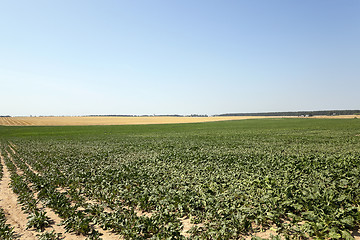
182, 115
74, 58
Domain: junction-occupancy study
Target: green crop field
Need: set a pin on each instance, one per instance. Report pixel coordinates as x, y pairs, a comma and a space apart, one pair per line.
287, 178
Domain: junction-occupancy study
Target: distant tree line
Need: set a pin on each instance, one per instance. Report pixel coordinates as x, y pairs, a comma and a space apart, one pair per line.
197, 115
299, 113
170, 115
111, 115
154, 115
117, 115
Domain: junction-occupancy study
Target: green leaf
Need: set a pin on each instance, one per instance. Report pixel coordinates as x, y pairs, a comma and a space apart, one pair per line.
335, 235
346, 235
349, 221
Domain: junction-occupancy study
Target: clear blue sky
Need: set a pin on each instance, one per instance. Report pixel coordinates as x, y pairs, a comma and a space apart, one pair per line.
178, 57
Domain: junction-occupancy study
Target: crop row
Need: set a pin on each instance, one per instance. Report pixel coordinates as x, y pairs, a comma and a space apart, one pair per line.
6, 231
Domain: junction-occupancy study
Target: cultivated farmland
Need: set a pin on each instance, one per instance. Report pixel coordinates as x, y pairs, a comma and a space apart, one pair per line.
100, 120
103, 120
263, 178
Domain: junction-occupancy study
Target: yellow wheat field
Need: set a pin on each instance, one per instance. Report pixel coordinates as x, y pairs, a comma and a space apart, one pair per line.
78, 121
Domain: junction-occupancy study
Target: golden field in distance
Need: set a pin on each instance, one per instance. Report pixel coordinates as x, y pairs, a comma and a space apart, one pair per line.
99, 120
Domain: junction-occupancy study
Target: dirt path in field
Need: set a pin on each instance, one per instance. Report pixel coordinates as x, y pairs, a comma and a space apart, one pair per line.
13, 213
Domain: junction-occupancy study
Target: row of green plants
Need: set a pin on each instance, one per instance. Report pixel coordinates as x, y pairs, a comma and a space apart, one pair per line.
6, 231
36, 217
